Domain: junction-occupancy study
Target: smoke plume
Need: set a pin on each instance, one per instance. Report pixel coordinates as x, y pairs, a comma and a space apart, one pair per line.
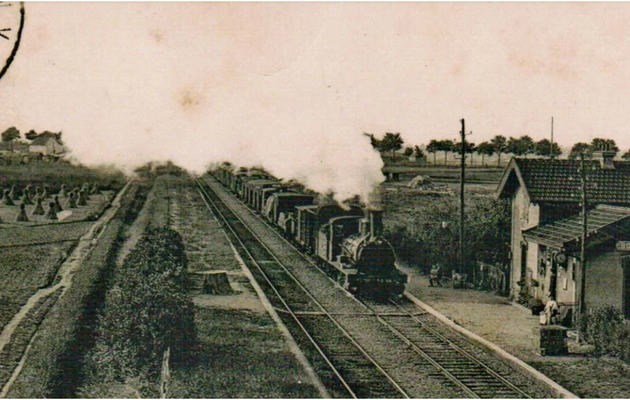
192, 83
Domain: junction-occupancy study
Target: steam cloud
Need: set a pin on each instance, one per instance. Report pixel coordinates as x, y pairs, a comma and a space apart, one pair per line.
132, 83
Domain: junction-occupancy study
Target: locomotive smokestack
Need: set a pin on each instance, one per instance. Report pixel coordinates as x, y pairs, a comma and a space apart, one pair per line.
376, 222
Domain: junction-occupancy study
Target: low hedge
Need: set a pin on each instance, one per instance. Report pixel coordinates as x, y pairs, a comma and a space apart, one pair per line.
147, 311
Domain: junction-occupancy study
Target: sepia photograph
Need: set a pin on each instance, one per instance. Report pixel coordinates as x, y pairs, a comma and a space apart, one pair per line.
314, 200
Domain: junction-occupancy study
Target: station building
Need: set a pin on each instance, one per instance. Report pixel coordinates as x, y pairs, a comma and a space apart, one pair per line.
547, 227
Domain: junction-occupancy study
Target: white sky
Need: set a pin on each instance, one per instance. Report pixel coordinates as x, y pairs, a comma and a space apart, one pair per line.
293, 85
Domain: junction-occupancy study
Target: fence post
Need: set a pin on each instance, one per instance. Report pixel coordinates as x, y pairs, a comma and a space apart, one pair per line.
166, 374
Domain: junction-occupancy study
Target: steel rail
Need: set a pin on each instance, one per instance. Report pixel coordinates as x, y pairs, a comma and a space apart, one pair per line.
309, 294
401, 335
463, 352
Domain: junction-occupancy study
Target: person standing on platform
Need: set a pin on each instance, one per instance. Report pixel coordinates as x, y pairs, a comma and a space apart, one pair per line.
435, 275
551, 311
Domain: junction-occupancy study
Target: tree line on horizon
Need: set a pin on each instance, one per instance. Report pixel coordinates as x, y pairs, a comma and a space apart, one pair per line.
499, 145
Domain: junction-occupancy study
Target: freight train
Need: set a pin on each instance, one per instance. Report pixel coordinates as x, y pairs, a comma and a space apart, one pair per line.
346, 241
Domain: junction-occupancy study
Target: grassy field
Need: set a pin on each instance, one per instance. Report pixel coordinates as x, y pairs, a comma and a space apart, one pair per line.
28, 236
56, 174
96, 204
29, 260
402, 204
448, 174
242, 355
23, 270
54, 364
12, 352
207, 247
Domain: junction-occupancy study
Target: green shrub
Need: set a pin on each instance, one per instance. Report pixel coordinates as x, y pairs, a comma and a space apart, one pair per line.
147, 311
431, 235
604, 328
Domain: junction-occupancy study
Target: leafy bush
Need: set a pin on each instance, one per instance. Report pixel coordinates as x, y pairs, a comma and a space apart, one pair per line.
147, 311
432, 235
604, 328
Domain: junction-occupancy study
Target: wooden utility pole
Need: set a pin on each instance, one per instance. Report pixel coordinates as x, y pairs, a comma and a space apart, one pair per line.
582, 286
461, 197
551, 151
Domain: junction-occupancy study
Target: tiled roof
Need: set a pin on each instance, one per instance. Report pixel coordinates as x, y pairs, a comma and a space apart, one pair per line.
559, 181
43, 138
559, 233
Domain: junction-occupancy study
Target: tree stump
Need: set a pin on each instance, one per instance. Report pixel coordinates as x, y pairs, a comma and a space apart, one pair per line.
210, 282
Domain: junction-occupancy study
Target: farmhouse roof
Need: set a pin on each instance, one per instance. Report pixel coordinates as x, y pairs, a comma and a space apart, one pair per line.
44, 138
547, 180
562, 232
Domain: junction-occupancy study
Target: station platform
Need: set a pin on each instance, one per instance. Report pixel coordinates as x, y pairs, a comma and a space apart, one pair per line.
514, 329
496, 319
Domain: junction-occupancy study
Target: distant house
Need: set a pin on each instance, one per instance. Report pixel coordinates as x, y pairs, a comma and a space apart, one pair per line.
547, 229
47, 144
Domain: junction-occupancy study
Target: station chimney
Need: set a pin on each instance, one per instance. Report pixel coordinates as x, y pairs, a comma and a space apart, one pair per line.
605, 156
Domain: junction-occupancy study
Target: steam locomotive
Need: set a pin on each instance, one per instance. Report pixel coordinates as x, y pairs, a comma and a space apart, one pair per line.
346, 241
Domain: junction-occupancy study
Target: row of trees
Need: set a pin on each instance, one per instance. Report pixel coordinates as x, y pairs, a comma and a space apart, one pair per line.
520, 147
499, 145
390, 142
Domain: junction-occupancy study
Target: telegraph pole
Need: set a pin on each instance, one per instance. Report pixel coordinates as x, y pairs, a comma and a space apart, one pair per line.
461, 197
582, 292
551, 151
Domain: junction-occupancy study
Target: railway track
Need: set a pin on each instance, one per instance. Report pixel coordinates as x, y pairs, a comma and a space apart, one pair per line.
472, 375
351, 371
342, 360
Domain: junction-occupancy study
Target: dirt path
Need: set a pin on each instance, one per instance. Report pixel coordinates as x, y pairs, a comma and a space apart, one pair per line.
137, 228
64, 280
